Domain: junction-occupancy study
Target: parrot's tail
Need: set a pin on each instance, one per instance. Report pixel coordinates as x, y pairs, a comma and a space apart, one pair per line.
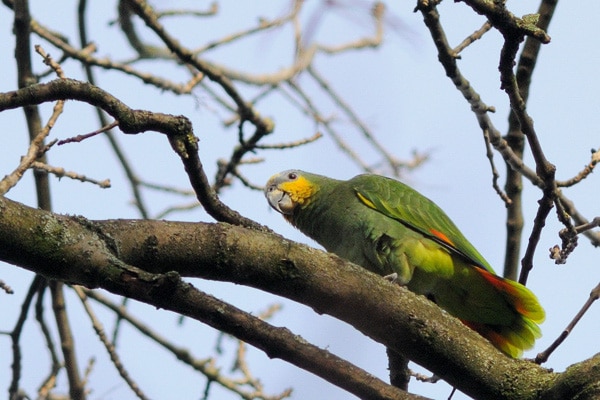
521, 334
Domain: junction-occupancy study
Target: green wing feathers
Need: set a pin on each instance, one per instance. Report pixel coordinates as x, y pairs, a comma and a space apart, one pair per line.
404, 204
503, 311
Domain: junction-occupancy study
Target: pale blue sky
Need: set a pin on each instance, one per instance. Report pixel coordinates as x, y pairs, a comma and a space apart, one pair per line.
402, 94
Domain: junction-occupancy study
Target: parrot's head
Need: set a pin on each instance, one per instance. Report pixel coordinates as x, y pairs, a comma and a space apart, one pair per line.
289, 189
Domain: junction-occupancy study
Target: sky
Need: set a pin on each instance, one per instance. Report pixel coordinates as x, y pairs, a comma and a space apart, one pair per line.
401, 93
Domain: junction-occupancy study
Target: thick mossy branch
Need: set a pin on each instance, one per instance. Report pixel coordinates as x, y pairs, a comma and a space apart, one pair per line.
116, 254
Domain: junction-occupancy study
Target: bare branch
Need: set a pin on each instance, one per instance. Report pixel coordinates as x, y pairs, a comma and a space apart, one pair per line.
206, 367
495, 175
297, 143
7, 289
60, 172
76, 385
544, 355
478, 34
448, 60
15, 335
110, 348
50, 382
506, 22
80, 138
584, 173
177, 128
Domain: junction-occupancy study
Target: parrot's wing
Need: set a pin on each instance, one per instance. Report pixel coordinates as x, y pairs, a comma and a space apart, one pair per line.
400, 202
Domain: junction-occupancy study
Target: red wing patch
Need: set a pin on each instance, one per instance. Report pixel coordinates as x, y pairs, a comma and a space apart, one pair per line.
442, 237
502, 284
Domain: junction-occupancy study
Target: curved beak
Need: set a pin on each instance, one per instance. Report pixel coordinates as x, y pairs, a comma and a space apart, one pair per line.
279, 200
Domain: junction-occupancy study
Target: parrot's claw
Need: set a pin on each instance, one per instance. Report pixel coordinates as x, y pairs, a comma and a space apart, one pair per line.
391, 277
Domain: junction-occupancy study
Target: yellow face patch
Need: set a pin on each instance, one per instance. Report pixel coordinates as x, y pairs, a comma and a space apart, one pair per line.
300, 190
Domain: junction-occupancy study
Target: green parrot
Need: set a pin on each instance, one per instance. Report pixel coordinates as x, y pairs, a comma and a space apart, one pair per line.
387, 227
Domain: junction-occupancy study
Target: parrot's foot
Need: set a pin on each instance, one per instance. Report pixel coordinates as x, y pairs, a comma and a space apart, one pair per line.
391, 277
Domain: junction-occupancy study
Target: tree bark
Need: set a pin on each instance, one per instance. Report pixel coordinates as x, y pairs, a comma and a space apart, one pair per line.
131, 258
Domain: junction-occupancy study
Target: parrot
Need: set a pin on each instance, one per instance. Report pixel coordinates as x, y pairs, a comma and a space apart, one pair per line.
387, 227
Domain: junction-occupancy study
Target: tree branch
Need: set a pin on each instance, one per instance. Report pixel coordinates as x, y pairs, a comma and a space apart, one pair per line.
515, 140
178, 129
67, 344
124, 256
505, 21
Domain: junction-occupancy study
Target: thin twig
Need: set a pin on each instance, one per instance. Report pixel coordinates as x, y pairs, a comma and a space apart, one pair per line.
262, 26
584, 173
495, 175
86, 57
55, 364
447, 58
289, 145
110, 348
478, 34
544, 355
7, 289
177, 208
378, 13
60, 172
80, 138
212, 10
15, 335
361, 126
206, 367
311, 109
37, 148
103, 121
67, 344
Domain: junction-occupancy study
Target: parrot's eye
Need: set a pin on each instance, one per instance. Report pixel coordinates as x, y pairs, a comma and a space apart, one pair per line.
292, 176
